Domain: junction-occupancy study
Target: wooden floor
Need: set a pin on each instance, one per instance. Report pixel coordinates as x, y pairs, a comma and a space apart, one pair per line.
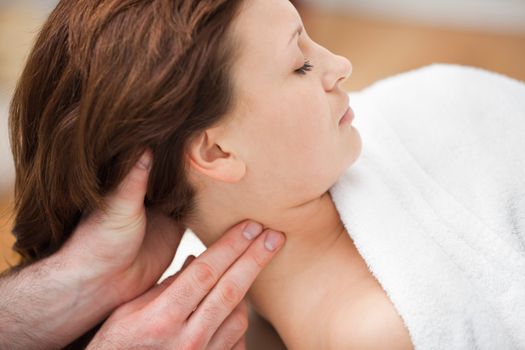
377, 49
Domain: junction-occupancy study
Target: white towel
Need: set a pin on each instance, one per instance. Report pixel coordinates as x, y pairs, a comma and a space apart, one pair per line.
436, 203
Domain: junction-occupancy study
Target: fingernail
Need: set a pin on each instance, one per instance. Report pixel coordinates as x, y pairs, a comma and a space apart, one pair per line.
273, 240
251, 230
144, 162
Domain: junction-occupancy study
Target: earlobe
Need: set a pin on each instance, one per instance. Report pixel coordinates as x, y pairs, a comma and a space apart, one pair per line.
208, 158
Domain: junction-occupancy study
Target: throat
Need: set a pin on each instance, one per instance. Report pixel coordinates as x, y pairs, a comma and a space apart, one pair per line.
294, 290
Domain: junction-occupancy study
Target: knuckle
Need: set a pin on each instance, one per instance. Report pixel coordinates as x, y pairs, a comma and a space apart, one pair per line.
259, 260
204, 274
234, 328
233, 246
211, 314
230, 293
239, 323
160, 329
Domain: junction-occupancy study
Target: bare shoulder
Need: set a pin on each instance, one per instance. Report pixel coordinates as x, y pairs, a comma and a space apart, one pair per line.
369, 322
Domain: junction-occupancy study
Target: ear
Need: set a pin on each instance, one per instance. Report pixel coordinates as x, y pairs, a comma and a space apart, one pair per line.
208, 157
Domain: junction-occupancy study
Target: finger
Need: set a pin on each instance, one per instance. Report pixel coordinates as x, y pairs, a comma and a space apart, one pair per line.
231, 330
160, 243
123, 208
157, 289
151, 294
124, 215
163, 233
233, 285
128, 199
195, 282
168, 280
188, 260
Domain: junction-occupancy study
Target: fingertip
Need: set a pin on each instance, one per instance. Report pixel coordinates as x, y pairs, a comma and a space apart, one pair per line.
128, 198
145, 160
274, 240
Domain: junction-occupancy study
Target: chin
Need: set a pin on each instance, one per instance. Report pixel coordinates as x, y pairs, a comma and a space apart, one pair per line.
357, 148
350, 161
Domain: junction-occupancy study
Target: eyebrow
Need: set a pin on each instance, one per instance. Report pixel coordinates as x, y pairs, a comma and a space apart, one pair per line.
296, 32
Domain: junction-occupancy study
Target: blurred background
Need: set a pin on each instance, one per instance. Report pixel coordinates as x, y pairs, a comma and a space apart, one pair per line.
380, 37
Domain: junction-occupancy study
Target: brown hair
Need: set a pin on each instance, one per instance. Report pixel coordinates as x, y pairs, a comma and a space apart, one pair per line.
105, 80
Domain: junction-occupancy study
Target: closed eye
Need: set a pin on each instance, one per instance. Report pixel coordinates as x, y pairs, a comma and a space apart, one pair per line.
305, 68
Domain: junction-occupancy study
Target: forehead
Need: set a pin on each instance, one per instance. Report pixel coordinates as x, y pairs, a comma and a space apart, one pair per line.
263, 28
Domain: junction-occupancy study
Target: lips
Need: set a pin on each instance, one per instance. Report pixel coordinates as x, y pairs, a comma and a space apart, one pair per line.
347, 117
348, 113
345, 108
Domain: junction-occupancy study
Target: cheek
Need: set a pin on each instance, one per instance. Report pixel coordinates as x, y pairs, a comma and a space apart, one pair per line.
293, 149
305, 150
315, 154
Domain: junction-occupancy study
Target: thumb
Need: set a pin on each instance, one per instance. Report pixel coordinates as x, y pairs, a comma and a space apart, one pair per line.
127, 201
118, 229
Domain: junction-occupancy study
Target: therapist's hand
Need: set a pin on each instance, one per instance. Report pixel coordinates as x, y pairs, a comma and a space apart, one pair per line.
124, 247
201, 306
112, 257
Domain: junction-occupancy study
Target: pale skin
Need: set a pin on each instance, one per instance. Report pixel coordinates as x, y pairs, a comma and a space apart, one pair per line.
274, 159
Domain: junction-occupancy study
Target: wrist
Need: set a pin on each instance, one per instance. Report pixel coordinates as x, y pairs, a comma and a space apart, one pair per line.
64, 300
88, 290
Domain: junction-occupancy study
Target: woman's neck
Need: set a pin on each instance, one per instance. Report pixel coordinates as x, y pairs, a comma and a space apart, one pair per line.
289, 291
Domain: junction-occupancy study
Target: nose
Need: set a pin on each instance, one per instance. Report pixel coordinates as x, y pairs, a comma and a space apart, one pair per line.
338, 70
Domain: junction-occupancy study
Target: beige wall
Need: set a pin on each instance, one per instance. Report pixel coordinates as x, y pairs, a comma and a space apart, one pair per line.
19, 22
379, 48
506, 16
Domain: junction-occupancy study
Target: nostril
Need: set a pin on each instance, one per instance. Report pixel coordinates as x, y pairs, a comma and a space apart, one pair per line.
348, 67
345, 69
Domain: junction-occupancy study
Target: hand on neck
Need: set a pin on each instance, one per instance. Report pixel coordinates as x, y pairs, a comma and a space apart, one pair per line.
311, 229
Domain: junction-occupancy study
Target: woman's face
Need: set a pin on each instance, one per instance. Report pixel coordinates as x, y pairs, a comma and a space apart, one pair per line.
285, 126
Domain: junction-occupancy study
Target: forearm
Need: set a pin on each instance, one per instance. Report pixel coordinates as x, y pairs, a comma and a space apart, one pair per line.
49, 304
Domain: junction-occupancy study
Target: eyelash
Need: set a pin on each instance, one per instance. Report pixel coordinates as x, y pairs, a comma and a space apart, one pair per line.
305, 68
